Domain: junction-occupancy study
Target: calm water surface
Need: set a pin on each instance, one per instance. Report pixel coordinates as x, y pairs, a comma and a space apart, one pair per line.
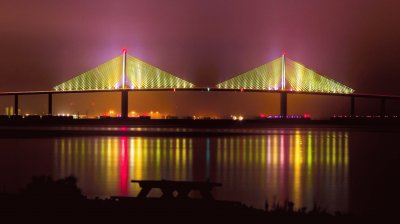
338, 169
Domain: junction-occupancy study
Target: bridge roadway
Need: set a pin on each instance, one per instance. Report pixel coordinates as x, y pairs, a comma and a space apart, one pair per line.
283, 97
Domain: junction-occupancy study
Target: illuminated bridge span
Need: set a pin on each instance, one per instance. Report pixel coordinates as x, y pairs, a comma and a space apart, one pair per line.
123, 72
285, 75
126, 73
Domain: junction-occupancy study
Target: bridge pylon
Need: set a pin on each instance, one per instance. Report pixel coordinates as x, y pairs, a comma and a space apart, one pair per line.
283, 104
124, 103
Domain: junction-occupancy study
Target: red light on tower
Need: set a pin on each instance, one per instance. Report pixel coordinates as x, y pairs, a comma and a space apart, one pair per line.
284, 52
124, 50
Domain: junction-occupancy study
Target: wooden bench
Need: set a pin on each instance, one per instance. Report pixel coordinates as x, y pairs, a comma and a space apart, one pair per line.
183, 188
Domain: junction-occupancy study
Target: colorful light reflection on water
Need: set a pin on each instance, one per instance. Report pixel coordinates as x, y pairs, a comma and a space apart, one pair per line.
306, 167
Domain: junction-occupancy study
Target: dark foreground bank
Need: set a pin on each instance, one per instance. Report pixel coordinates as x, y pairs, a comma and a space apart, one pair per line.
45, 197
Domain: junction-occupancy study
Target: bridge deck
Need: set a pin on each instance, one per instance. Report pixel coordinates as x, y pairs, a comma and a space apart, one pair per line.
202, 89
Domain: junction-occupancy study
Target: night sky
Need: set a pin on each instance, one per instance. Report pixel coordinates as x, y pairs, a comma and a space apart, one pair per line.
45, 42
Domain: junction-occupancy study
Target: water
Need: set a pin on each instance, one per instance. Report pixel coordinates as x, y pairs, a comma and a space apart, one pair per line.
338, 169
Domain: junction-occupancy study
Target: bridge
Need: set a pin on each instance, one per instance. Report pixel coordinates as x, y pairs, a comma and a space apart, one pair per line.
125, 73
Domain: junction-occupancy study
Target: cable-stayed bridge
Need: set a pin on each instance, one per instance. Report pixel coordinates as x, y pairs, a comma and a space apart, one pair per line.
125, 73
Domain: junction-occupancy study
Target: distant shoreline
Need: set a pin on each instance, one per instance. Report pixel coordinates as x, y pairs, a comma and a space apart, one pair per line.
189, 122
28, 127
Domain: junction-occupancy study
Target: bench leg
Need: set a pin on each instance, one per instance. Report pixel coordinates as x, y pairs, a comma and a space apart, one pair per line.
206, 194
183, 193
143, 193
167, 193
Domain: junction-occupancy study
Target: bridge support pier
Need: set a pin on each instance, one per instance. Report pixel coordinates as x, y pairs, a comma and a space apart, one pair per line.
283, 105
16, 104
383, 107
124, 104
50, 104
352, 106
